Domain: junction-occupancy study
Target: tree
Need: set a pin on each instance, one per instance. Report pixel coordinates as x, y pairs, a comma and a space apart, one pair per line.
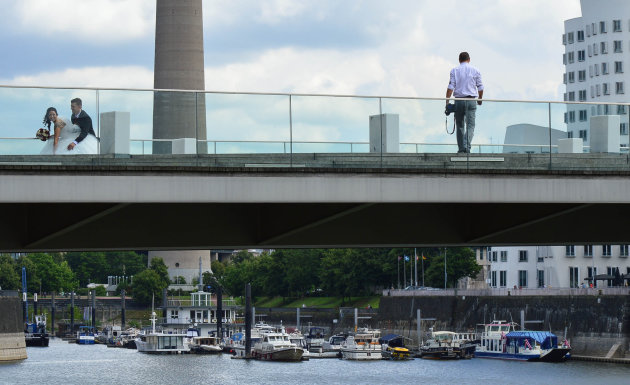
157, 265
146, 285
9, 278
460, 262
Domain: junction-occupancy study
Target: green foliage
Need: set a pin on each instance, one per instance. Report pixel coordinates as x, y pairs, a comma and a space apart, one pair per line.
51, 276
157, 265
9, 278
460, 262
97, 266
100, 291
179, 280
146, 285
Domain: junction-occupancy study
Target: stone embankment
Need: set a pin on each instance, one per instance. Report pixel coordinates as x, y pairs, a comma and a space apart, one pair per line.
12, 343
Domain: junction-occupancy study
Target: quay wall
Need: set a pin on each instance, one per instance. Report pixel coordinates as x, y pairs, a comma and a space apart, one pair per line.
595, 325
12, 342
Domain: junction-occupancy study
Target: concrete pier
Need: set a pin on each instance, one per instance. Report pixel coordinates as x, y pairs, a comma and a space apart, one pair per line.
12, 342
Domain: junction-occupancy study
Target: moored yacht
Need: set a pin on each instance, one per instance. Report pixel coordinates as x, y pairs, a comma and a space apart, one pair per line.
330, 348
201, 345
363, 345
276, 346
448, 345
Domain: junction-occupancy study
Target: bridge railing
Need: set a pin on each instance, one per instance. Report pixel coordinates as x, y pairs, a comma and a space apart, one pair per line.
494, 292
301, 130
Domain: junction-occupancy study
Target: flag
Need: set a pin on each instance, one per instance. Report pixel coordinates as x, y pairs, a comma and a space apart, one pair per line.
406, 258
399, 257
527, 344
417, 258
423, 257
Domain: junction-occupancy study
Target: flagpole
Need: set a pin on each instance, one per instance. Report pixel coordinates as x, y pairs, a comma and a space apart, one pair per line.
445, 268
415, 261
404, 272
422, 269
398, 273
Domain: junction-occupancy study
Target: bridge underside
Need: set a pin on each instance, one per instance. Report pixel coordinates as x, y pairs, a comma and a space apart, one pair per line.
155, 226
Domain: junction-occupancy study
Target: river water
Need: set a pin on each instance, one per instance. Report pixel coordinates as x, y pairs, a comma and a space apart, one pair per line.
64, 363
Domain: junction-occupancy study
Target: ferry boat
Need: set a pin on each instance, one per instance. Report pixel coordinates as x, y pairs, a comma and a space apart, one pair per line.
448, 345
158, 342
362, 346
85, 335
276, 346
500, 340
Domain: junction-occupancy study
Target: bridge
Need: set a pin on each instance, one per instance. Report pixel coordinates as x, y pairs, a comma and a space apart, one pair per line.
271, 179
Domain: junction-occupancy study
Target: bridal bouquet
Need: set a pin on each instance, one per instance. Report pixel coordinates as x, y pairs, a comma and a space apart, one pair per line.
43, 134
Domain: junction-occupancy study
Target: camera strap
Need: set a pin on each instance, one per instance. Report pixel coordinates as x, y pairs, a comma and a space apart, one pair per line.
446, 125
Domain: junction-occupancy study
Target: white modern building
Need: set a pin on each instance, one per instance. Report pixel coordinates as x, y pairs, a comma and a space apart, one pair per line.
555, 266
597, 65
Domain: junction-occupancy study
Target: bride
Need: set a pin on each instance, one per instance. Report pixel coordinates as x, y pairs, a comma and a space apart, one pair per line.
65, 133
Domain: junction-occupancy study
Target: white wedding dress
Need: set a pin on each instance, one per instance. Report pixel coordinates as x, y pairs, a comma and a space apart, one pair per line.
68, 134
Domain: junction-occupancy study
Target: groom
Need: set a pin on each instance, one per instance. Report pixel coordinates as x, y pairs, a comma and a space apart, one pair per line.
81, 119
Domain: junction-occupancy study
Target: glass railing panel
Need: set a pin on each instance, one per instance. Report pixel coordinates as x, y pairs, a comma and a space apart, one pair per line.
23, 110
246, 124
336, 128
125, 124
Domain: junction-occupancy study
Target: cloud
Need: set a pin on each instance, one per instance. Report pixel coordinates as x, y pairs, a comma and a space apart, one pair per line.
103, 22
105, 77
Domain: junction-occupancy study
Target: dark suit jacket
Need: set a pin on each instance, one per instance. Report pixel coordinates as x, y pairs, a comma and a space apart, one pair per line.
85, 123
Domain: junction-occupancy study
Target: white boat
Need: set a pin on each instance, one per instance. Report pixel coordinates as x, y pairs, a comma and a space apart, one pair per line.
158, 342
331, 348
236, 343
276, 346
299, 340
315, 340
202, 345
448, 345
362, 346
500, 340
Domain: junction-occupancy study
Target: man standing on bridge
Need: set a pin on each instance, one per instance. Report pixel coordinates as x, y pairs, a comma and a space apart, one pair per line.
465, 82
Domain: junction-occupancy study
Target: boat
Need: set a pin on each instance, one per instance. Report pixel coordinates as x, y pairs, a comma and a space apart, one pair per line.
362, 346
500, 340
276, 346
299, 340
393, 347
448, 345
236, 344
161, 343
315, 339
35, 333
85, 335
204, 345
330, 348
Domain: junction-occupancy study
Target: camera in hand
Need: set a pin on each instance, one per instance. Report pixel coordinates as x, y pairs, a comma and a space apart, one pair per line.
449, 108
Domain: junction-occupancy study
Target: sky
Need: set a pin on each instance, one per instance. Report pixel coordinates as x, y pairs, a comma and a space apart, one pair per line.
366, 47
400, 48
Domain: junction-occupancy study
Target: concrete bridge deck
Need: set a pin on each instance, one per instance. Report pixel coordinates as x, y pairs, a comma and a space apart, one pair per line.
324, 200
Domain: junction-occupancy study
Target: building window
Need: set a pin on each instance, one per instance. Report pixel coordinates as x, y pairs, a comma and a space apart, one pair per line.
574, 278
571, 57
564, 58
605, 89
504, 256
493, 279
617, 46
583, 116
623, 250
522, 278
603, 47
174, 314
604, 68
596, 66
582, 75
619, 88
580, 35
609, 271
618, 67
594, 28
541, 278
522, 255
623, 129
572, 96
595, 49
588, 30
564, 78
582, 95
540, 259
616, 26
590, 50
564, 39
569, 134
602, 27
571, 77
584, 135
592, 272
570, 37
597, 89
571, 116
581, 55
494, 256
570, 251
503, 278
588, 250
606, 250
621, 110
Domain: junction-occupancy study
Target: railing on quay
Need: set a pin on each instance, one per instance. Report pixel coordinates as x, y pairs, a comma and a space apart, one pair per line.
500, 292
191, 303
309, 130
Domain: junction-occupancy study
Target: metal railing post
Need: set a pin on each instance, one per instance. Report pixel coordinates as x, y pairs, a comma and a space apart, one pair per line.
290, 130
380, 115
98, 123
549, 116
